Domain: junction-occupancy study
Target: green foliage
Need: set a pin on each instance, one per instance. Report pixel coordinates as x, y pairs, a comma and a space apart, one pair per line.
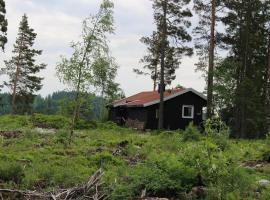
217, 132
163, 163
191, 133
14, 122
266, 194
62, 137
11, 171
50, 121
85, 124
22, 70
3, 24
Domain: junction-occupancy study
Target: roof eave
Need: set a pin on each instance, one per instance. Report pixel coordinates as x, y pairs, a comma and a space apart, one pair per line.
175, 95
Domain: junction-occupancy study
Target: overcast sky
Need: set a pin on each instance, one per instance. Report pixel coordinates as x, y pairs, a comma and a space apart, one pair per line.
58, 22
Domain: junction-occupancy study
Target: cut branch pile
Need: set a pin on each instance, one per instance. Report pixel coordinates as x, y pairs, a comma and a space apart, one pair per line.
10, 134
89, 190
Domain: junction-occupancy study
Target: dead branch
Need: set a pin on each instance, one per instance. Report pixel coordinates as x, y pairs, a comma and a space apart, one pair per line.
89, 190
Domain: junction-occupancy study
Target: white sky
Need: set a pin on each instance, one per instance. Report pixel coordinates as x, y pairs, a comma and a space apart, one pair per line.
58, 22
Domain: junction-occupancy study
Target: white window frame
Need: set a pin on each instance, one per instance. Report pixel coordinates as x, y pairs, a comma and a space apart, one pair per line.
192, 112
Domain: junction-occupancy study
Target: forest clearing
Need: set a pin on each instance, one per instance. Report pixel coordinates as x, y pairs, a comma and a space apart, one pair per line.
135, 100
135, 165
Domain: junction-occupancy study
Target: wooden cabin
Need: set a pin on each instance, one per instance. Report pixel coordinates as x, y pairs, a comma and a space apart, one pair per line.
140, 111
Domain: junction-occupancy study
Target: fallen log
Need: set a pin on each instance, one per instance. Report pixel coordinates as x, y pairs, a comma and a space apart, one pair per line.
89, 190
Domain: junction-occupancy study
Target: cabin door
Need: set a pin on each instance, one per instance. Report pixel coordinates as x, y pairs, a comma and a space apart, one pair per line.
122, 116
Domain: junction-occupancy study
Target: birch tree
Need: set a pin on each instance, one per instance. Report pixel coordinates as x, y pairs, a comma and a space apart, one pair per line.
79, 71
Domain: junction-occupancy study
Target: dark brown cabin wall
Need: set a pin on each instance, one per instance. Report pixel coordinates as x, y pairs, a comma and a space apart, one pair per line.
112, 114
173, 112
136, 118
152, 121
137, 113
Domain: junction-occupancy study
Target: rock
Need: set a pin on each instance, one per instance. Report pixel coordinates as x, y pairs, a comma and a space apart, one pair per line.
199, 192
45, 131
263, 183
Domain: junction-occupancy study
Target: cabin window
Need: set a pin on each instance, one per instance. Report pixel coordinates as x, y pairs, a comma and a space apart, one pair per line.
188, 111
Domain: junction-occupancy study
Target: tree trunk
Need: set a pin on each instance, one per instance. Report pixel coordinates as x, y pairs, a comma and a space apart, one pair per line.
155, 79
15, 91
163, 46
268, 83
78, 92
211, 62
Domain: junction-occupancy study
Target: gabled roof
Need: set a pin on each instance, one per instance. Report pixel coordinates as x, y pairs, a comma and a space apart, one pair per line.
145, 99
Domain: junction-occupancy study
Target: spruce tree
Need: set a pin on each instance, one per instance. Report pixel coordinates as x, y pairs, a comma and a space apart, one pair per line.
3, 30
3, 25
22, 69
247, 39
171, 18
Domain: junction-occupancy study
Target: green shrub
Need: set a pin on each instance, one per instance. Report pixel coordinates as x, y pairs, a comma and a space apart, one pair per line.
14, 122
105, 159
84, 124
217, 132
62, 137
109, 126
191, 133
266, 194
11, 172
162, 175
50, 121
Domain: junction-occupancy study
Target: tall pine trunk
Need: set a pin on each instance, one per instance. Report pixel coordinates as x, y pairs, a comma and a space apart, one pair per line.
211, 62
162, 67
14, 92
268, 82
155, 79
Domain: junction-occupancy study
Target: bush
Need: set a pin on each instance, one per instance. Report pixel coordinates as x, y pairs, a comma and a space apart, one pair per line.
50, 121
84, 124
217, 132
14, 122
191, 133
11, 172
162, 175
109, 126
62, 137
105, 159
266, 194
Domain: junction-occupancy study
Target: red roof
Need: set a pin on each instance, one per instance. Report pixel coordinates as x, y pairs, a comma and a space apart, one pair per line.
143, 98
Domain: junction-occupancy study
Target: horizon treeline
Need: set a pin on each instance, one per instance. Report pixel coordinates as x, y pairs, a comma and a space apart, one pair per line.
59, 103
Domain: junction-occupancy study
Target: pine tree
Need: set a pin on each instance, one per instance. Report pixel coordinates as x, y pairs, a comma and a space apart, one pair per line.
152, 61
267, 73
171, 18
22, 69
205, 43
